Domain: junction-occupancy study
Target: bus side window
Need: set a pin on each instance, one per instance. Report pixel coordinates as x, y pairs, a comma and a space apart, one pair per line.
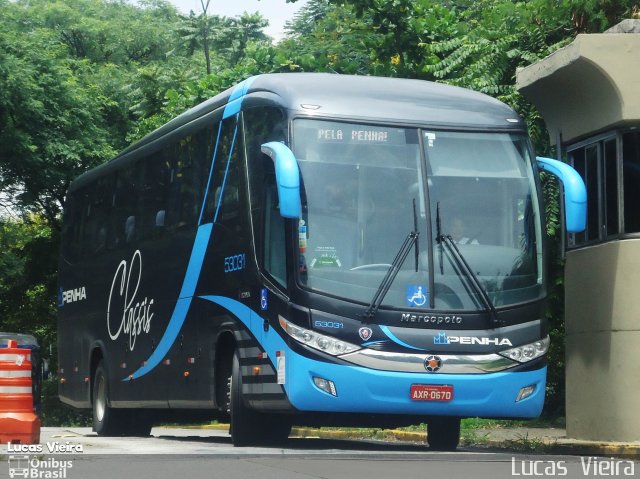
262, 125
185, 170
274, 233
155, 194
91, 223
124, 228
99, 217
223, 198
72, 227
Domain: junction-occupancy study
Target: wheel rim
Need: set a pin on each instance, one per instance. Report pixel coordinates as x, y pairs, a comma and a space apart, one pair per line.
100, 403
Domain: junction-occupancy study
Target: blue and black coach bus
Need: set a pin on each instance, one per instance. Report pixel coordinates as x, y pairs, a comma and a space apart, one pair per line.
312, 249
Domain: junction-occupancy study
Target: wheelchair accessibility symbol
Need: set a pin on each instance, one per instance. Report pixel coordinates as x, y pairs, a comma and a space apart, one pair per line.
416, 295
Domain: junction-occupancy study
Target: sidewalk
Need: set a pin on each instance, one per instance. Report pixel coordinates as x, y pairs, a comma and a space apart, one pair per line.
537, 440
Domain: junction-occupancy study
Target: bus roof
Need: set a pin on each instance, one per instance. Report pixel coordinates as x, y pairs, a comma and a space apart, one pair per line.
387, 99
364, 98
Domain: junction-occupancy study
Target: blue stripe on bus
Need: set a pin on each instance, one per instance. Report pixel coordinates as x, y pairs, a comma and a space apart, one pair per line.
184, 301
270, 340
237, 95
226, 171
213, 162
396, 340
196, 259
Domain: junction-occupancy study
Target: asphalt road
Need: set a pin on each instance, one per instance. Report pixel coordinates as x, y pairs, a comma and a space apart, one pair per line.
188, 453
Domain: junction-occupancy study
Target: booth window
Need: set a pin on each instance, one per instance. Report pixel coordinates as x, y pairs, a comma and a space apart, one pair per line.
610, 167
631, 172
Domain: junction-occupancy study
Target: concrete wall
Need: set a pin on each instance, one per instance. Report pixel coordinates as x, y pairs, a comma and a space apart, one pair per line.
589, 86
603, 341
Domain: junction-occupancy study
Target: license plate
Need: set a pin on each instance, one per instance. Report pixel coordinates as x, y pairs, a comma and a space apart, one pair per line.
431, 392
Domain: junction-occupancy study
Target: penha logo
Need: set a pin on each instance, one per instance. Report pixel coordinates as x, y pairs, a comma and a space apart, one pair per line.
71, 295
134, 317
442, 338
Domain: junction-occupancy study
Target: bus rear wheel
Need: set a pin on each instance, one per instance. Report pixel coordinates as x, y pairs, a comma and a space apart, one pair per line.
248, 426
107, 421
443, 433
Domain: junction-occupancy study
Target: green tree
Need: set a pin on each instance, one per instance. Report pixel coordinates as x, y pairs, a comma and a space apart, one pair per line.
331, 38
28, 279
51, 128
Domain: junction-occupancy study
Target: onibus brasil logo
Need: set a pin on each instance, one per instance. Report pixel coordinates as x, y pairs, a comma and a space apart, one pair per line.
23, 465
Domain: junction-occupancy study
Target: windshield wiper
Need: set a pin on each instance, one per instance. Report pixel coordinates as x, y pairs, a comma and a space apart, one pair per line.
447, 240
392, 272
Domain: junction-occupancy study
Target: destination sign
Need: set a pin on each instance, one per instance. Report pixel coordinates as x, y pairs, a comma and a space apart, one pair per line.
356, 136
332, 132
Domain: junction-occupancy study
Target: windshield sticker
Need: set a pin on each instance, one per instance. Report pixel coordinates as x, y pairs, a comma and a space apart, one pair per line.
326, 256
430, 137
302, 236
416, 295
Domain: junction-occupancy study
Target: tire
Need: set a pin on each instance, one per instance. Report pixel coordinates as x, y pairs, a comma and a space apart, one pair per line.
139, 423
248, 426
106, 420
443, 433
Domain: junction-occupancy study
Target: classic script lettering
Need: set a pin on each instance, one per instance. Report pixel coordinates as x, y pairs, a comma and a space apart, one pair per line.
131, 316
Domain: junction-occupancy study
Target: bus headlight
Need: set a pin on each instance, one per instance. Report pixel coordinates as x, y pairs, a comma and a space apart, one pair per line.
318, 341
528, 352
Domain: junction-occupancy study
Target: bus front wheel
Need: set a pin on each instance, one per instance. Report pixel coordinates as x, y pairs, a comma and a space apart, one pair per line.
106, 420
443, 433
248, 426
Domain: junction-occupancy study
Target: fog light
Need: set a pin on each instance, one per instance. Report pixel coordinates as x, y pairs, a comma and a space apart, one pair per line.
525, 392
325, 385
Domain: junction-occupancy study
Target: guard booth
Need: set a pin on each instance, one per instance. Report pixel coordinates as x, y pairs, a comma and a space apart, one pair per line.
589, 95
39, 366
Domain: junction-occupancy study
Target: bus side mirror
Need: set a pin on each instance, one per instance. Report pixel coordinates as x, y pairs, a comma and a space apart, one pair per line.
287, 178
575, 193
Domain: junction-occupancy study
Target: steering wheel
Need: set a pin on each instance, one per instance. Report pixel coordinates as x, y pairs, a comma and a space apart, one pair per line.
371, 266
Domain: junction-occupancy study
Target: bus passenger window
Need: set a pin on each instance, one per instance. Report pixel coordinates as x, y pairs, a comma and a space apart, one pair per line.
129, 229
96, 218
262, 125
274, 247
160, 218
223, 201
154, 196
72, 228
122, 228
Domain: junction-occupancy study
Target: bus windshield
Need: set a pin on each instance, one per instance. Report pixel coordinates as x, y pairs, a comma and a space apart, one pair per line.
359, 186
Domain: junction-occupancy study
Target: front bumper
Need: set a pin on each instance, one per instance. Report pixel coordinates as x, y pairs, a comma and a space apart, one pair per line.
363, 390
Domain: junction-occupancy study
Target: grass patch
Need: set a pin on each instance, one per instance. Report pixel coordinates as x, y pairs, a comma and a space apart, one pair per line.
477, 423
528, 445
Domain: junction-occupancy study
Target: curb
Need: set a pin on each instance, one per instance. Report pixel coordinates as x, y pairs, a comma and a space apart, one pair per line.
573, 447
